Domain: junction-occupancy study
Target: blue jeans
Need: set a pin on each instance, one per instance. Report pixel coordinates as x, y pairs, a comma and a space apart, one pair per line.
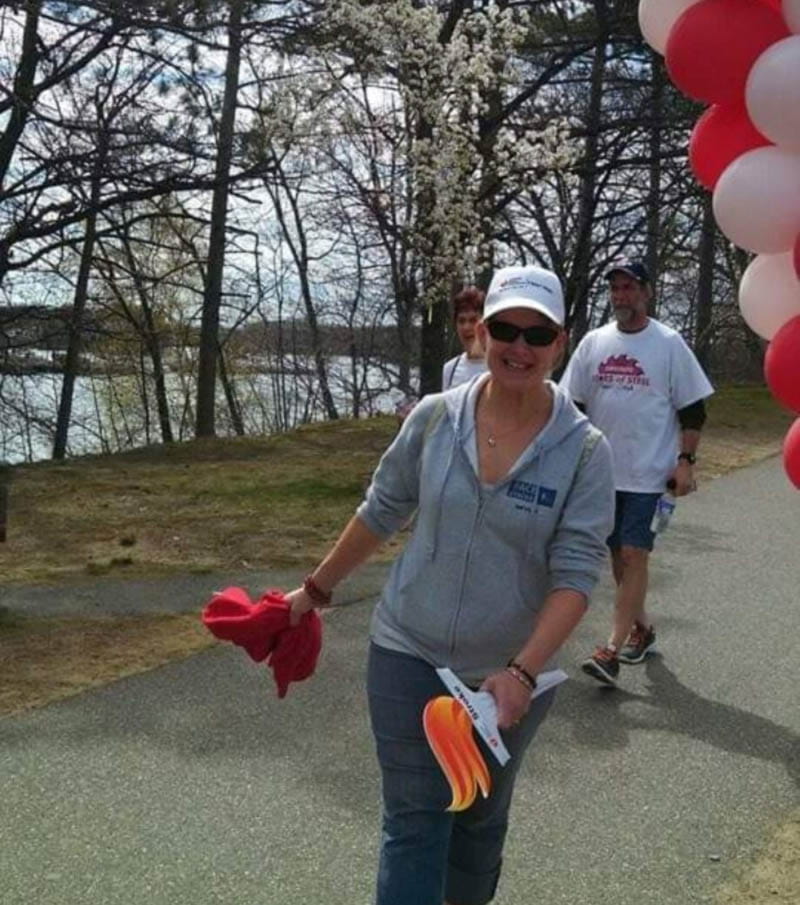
429, 855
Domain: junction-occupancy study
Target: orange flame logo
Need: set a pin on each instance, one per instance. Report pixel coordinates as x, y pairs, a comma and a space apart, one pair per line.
448, 729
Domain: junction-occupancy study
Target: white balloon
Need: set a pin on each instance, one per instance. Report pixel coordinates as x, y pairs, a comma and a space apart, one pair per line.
791, 13
772, 94
757, 200
656, 18
769, 294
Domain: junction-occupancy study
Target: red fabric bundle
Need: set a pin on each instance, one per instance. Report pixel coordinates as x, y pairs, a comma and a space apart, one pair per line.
263, 630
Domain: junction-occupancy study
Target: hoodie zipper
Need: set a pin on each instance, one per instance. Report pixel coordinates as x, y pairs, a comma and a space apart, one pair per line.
538, 452
482, 496
465, 569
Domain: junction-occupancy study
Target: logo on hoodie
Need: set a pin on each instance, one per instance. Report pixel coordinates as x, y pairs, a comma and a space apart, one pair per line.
532, 493
621, 371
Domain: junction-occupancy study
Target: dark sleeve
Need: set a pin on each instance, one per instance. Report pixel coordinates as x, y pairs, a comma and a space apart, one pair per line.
693, 417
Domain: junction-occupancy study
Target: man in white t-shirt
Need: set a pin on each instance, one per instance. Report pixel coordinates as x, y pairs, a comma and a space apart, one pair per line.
639, 382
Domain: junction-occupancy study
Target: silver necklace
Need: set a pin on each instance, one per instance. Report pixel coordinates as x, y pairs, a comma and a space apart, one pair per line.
492, 437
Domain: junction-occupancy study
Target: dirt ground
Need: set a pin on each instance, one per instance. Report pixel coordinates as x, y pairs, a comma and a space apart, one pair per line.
774, 877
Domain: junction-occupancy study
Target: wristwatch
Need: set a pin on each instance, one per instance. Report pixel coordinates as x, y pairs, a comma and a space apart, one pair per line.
689, 457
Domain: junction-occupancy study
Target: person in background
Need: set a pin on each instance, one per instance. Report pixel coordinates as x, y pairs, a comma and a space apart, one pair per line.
467, 312
642, 386
514, 499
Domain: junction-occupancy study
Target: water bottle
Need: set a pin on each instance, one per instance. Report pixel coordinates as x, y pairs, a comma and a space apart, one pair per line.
664, 509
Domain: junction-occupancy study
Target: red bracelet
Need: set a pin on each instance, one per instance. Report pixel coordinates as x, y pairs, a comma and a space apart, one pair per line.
318, 596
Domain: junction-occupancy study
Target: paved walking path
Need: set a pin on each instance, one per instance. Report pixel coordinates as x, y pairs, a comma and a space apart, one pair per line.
194, 785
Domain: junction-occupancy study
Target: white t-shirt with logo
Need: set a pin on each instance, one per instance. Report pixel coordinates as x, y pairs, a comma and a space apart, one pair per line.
632, 385
461, 369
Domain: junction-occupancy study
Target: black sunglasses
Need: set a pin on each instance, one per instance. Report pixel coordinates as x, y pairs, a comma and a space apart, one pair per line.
504, 332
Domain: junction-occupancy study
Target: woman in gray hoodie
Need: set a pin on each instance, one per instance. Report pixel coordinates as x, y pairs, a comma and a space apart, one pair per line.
514, 499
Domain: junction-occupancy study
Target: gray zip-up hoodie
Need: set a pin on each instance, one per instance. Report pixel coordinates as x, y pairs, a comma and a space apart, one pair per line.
481, 558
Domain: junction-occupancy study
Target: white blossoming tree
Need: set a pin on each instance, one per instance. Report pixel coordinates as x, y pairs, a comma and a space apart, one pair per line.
444, 96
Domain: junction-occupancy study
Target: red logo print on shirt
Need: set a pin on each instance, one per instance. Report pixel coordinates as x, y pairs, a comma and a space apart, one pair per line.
621, 371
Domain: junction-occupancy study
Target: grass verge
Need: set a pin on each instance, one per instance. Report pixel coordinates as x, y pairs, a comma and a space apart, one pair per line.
44, 660
201, 506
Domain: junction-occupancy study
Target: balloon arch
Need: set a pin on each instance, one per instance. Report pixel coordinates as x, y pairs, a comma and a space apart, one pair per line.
742, 58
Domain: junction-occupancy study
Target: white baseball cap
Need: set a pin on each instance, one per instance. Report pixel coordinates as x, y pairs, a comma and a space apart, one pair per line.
525, 287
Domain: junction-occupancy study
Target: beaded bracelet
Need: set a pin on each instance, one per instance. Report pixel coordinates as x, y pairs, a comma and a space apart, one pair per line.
519, 672
519, 677
318, 596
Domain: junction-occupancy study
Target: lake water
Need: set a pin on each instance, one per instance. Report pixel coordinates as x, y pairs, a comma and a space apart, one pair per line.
113, 413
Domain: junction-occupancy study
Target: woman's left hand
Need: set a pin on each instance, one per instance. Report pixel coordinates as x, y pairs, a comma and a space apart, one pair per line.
512, 697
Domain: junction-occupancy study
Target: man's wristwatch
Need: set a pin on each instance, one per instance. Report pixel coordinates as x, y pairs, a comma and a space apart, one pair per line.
687, 457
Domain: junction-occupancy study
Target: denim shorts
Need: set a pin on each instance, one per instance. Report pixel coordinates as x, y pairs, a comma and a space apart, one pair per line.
633, 514
429, 855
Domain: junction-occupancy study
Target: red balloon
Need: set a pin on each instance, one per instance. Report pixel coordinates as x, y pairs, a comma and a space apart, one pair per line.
782, 365
723, 133
714, 43
791, 454
774, 4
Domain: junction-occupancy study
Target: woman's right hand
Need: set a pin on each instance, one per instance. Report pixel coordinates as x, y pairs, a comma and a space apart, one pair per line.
299, 603
513, 699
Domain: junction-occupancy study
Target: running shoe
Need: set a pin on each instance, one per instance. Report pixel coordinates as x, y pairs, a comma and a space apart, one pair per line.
641, 641
603, 665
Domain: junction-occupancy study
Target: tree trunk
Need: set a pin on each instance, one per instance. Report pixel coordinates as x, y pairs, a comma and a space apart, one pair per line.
653, 202
433, 348
320, 365
152, 341
405, 342
405, 290
5, 484
74, 342
298, 246
577, 288
23, 90
433, 342
209, 330
230, 396
705, 285
434, 314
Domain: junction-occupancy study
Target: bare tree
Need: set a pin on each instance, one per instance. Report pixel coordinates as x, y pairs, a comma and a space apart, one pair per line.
209, 330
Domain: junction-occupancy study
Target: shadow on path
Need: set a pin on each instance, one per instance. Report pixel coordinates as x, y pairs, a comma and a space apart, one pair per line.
676, 709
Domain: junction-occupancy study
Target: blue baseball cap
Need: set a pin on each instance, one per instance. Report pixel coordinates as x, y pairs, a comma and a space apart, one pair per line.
632, 268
